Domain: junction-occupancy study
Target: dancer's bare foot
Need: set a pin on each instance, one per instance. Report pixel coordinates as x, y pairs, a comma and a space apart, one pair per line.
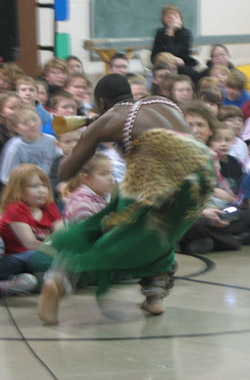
51, 294
154, 305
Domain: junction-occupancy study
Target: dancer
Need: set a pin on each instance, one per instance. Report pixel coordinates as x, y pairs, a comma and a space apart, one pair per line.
168, 179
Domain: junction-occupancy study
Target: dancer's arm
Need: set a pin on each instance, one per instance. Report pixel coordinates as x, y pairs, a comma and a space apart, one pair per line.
106, 128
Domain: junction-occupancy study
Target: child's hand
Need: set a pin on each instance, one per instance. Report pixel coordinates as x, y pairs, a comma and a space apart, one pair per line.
213, 215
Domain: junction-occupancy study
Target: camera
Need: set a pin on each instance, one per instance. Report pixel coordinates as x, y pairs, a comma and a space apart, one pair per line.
231, 214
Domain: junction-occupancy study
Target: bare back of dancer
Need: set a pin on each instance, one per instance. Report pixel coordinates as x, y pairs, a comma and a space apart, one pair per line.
109, 127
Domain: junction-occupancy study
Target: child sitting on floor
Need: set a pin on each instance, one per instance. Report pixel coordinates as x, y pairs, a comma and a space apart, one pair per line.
221, 73
30, 146
212, 100
233, 117
88, 192
62, 104
29, 216
211, 232
235, 93
80, 87
26, 88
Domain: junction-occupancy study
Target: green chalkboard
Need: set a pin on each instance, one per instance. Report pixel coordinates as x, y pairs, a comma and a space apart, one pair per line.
135, 18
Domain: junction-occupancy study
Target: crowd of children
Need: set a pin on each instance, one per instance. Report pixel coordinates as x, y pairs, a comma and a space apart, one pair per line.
33, 200
213, 231
34, 203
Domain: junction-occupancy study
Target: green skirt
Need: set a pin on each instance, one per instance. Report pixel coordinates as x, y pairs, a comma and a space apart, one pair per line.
142, 246
167, 182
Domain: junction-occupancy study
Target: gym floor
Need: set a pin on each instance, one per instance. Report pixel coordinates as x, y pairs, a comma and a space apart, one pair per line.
203, 335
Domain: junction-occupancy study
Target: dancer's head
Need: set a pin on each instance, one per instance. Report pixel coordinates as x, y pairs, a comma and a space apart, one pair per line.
111, 89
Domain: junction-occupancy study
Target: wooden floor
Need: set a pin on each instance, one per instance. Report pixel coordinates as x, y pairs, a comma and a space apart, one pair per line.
203, 335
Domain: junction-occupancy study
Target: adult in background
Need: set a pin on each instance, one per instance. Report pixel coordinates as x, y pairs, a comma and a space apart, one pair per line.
173, 37
219, 55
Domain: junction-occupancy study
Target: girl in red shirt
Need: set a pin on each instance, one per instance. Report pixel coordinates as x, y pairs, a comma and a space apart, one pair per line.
29, 215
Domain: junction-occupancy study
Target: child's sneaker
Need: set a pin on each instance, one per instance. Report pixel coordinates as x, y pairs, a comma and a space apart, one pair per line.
23, 283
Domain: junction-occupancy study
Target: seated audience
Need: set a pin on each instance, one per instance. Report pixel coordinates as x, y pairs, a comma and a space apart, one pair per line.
221, 73
42, 92
158, 74
9, 102
202, 121
181, 90
211, 232
245, 133
232, 116
80, 87
66, 142
30, 146
9, 74
246, 110
119, 64
210, 82
74, 65
88, 192
167, 59
138, 86
212, 100
62, 104
55, 73
235, 94
26, 88
164, 88
29, 215
219, 55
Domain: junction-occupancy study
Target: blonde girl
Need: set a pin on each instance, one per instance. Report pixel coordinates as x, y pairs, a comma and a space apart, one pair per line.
88, 192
